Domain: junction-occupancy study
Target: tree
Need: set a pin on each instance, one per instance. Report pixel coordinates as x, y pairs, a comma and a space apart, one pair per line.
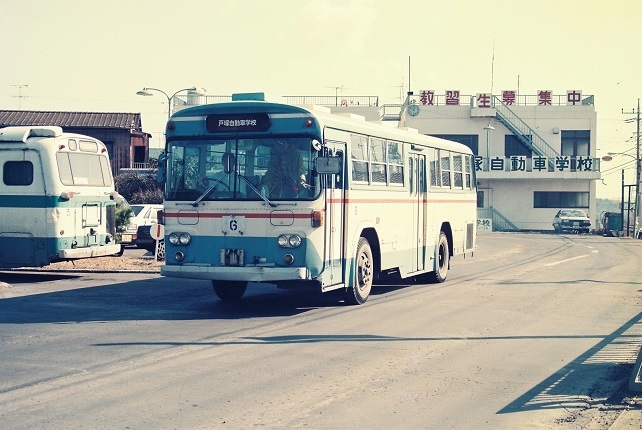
139, 188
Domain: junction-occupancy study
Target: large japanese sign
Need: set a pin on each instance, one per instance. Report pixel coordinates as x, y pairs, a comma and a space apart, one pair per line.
485, 100
562, 163
237, 122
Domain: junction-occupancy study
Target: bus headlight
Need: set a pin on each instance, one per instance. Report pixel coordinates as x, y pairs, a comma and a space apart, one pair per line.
184, 238
178, 238
289, 240
282, 241
295, 241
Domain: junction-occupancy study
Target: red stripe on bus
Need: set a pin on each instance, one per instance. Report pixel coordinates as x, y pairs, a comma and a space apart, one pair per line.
353, 201
246, 215
274, 215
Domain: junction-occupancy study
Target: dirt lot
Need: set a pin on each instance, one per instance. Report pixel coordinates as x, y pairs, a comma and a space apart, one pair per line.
108, 264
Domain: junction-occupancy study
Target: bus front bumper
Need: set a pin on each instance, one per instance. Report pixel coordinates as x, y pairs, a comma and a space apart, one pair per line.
90, 251
245, 273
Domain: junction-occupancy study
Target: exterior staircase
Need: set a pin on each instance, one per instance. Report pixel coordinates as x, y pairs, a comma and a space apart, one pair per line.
500, 222
525, 133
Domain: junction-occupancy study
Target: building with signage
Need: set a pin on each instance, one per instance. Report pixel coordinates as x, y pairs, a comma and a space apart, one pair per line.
535, 154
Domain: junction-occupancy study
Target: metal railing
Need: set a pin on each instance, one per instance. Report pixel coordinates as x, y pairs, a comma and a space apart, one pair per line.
333, 100
500, 222
137, 165
183, 101
523, 131
390, 112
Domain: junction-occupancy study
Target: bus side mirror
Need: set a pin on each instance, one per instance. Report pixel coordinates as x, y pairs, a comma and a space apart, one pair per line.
160, 176
328, 165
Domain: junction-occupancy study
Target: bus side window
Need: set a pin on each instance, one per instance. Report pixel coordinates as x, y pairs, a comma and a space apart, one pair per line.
411, 174
18, 173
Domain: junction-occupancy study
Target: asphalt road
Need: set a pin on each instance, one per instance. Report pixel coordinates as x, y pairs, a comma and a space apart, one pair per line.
535, 331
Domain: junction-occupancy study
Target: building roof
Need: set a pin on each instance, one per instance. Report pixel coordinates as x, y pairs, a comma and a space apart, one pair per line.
128, 121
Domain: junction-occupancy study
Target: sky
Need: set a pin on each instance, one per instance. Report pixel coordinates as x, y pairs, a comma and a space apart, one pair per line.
89, 55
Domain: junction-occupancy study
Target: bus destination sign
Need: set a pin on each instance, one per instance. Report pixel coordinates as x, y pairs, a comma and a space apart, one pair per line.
226, 123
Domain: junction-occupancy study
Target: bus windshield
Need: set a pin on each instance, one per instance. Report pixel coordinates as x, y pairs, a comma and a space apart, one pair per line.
241, 169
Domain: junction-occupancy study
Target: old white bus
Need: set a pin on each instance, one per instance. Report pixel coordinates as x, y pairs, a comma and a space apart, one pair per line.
259, 191
56, 197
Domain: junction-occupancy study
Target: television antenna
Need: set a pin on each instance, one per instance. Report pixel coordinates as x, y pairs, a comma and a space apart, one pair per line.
20, 96
336, 93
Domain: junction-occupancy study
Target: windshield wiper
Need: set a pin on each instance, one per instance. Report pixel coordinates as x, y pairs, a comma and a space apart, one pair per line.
265, 199
209, 190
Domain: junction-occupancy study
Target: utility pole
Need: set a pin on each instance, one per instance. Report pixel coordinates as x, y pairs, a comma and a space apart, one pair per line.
637, 173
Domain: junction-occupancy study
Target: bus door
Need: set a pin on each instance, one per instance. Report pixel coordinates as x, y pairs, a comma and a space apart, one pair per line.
335, 233
91, 223
418, 201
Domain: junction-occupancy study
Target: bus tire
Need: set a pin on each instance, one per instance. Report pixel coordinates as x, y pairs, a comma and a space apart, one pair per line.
443, 260
230, 290
358, 292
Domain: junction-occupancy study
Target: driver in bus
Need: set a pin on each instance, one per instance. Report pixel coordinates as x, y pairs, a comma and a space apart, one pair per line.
285, 175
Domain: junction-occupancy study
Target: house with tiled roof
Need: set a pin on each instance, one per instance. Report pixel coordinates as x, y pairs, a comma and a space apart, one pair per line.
122, 133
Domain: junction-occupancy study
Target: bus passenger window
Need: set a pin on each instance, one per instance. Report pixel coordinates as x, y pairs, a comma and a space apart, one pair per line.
458, 173
395, 163
18, 173
338, 179
433, 165
411, 175
445, 168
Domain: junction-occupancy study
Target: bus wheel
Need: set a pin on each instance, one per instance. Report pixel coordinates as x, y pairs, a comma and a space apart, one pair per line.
358, 293
229, 291
443, 260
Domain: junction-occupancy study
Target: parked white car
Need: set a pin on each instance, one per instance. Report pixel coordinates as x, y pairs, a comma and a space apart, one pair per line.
143, 215
573, 220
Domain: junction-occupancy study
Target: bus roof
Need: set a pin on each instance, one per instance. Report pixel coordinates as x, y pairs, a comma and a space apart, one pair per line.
245, 102
21, 134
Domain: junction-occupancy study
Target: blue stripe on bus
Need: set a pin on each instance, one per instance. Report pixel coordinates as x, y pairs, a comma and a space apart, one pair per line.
22, 201
207, 250
16, 251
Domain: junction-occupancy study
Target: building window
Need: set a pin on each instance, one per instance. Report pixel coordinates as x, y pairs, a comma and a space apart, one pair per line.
576, 142
470, 140
561, 199
17, 173
513, 147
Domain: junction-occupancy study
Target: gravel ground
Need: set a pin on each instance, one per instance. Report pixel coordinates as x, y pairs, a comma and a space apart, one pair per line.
108, 264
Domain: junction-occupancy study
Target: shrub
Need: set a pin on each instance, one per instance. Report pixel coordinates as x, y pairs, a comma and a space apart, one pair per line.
139, 188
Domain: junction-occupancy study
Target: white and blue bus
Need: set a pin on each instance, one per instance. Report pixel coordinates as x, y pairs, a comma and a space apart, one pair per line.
56, 197
259, 191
